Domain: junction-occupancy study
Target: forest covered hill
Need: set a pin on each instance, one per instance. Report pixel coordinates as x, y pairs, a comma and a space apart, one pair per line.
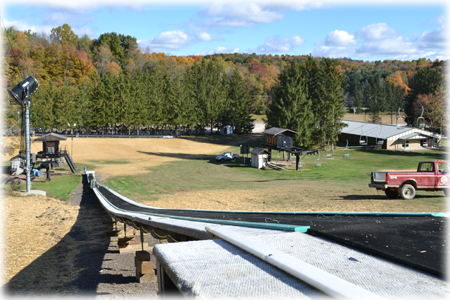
111, 81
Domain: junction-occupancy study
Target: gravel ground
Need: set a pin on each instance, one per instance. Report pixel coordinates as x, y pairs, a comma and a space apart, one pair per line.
72, 256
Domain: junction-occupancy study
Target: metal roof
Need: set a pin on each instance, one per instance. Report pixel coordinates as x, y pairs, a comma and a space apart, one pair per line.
276, 130
414, 136
259, 151
51, 137
381, 131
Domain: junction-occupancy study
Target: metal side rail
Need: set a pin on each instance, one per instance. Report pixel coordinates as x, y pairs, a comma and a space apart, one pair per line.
368, 232
215, 268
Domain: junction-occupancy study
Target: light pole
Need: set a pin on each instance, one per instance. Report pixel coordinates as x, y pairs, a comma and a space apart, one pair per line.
22, 93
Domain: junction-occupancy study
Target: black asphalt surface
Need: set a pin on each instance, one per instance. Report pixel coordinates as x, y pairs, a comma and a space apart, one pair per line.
415, 241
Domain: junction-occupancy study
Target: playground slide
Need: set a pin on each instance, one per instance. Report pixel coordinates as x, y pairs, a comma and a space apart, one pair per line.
70, 163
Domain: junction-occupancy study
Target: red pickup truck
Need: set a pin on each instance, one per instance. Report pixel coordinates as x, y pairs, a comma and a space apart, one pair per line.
430, 176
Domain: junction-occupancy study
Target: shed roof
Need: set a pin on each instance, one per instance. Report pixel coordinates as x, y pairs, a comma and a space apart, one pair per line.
51, 137
276, 131
381, 131
257, 151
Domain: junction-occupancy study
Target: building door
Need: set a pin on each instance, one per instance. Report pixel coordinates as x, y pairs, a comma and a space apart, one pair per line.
405, 144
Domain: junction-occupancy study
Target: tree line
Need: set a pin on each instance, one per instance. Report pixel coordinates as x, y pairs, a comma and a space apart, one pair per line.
160, 97
110, 82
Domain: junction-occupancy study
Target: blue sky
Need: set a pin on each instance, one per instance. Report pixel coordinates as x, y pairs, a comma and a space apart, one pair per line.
378, 30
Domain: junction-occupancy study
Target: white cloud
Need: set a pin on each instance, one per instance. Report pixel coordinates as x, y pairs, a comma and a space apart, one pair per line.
243, 14
389, 47
297, 41
333, 52
435, 39
226, 50
23, 26
206, 37
240, 13
218, 50
203, 36
339, 38
376, 32
82, 6
274, 44
168, 40
59, 18
80, 31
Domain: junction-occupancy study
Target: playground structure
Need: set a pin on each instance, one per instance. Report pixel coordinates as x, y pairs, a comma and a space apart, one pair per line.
52, 153
48, 158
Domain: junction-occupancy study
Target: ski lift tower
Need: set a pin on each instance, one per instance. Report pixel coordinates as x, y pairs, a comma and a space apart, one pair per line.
364, 112
398, 118
354, 112
22, 93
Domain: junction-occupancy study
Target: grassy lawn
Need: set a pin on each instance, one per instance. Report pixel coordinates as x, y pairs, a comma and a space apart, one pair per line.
340, 184
60, 187
338, 179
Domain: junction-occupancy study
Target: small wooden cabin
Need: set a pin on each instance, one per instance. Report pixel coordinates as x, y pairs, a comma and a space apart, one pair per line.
279, 137
51, 142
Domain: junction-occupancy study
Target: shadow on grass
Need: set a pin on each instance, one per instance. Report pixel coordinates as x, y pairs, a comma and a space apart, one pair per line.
72, 266
205, 157
430, 153
382, 197
253, 140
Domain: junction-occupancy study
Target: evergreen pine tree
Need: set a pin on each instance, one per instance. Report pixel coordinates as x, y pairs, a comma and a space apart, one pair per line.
291, 107
240, 102
334, 101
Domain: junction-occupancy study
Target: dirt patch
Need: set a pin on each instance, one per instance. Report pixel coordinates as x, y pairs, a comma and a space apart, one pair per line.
304, 198
53, 248
139, 153
35, 225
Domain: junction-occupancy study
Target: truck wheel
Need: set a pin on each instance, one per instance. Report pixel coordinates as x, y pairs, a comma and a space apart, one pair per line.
408, 192
391, 193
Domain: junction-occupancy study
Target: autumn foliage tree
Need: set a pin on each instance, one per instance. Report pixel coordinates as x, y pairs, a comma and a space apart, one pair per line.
110, 83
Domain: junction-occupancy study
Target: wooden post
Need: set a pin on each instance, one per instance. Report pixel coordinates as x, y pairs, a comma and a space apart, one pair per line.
144, 267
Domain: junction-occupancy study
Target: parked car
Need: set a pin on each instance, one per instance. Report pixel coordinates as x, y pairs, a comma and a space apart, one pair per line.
430, 176
227, 156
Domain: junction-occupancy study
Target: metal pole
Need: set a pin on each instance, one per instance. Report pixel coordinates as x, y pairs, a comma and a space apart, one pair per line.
27, 142
71, 153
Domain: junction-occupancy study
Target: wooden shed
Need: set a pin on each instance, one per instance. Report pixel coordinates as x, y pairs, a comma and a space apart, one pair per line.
259, 158
280, 138
50, 142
